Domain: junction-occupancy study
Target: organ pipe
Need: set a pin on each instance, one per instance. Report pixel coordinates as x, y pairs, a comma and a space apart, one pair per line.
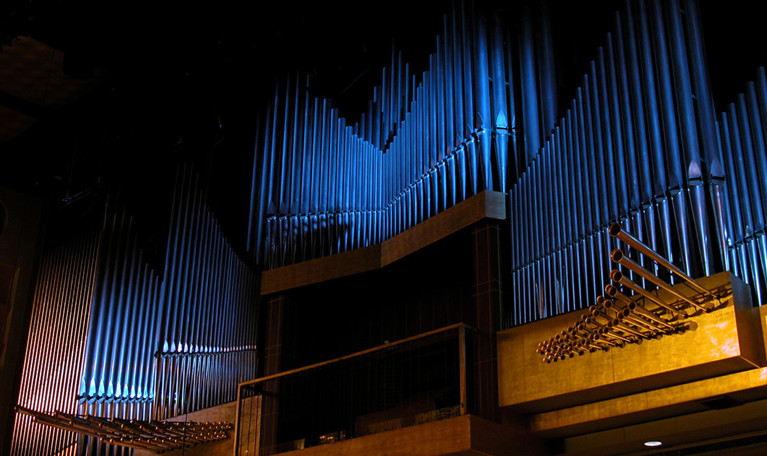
132, 342
640, 152
425, 143
633, 146
638, 144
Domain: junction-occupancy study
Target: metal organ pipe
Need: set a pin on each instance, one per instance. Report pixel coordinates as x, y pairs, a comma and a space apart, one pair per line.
632, 147
112, 313
326, 187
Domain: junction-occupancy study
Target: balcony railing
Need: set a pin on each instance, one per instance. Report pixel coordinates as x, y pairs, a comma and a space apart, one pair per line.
420, 379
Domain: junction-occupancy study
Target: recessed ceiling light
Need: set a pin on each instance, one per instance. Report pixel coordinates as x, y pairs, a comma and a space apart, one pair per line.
653, 443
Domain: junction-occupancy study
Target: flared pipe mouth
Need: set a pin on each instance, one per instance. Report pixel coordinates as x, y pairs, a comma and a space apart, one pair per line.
616, 275
617, 231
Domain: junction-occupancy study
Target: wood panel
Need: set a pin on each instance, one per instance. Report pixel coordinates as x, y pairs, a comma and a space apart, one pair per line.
652, 405
321, 269
484, 205
464, 435
726, 340
225, 412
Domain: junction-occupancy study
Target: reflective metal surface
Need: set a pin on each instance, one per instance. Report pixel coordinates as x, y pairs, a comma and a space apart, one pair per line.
112, 337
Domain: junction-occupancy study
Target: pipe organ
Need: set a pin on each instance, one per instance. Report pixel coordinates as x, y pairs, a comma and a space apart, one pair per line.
639, 144
324, 185
631, 147
50, 377
112, 336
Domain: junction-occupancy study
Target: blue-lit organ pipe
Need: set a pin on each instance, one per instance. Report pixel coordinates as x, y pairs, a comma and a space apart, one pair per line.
117, 365
631, 148
207, 336
325, 185
742, 134
56, 342
112, 337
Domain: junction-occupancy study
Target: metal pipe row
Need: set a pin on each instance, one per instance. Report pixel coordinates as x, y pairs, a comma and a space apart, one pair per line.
122, 316
740, 191
51, 371
194, 381
627, 150
207, 339
325, 185
617, 318
609, 323
136, 434
102, 313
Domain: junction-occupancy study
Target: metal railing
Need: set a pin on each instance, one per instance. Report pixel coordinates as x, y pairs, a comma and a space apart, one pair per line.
420, 379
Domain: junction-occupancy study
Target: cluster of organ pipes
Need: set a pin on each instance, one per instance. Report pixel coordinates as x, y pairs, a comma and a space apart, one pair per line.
636, 145
51, 374
640, 143
618, 319
739, 184
144, 435
131, 342
323, 186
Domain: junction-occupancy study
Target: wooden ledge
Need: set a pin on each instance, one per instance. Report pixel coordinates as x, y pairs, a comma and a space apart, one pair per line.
676, 400
484, 205
465, 435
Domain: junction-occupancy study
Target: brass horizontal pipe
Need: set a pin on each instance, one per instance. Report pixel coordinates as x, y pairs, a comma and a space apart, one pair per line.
618, 277
612, 291
601, 304
627, 311
634, 319
607, 332
618, 257
590, 320
618, 232
619, 325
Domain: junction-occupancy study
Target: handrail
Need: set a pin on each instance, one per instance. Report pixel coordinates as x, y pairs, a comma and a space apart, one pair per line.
354, 355
461, 327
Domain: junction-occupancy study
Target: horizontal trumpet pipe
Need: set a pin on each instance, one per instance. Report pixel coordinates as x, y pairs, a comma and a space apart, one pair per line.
618, 277
618, 257
612, 291
590, 320
636, 320
595, 314
618, 232
609, 304
618, 324
607, 332
625, 311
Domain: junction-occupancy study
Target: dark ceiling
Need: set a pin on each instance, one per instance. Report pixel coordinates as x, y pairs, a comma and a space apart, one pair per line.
148, 83
95, 91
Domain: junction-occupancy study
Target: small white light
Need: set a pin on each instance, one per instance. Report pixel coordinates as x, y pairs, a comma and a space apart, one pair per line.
653, 443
